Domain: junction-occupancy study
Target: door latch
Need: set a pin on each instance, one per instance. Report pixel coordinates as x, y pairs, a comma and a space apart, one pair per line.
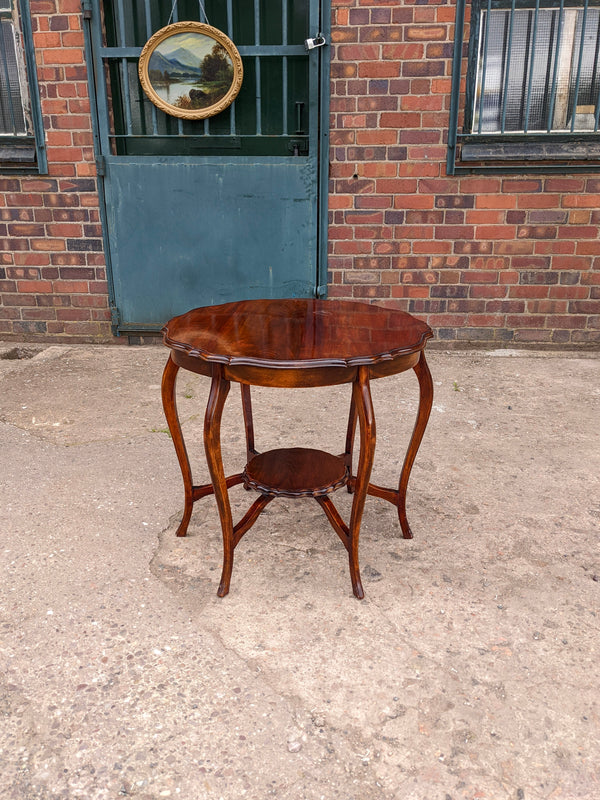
318, 41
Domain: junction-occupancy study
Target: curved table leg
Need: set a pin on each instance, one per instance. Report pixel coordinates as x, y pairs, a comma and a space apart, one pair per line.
170, 408
350, 441
248, 423
361, 395
219, 390
425, 403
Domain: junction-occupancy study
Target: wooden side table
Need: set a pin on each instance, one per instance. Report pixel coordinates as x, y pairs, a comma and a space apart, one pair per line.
291, 344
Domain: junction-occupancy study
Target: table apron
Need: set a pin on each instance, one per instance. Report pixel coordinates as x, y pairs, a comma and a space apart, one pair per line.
295, 377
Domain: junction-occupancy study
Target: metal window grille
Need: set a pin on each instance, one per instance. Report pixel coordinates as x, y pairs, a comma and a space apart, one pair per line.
22, 147
13, 120
532, 84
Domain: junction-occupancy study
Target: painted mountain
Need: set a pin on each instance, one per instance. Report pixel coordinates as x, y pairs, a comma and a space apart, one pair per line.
183, 55
173, 67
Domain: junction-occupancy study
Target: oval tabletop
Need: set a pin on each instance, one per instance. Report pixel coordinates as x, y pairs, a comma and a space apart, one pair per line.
296, 333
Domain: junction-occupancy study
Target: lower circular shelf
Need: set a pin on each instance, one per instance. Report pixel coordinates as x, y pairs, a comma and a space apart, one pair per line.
295, 472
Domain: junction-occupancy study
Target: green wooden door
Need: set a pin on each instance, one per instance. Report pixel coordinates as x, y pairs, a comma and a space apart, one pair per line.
198, 212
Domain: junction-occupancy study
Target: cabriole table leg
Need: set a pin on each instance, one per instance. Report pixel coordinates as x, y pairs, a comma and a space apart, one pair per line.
425, 402
219, 389
170, 408
361, 395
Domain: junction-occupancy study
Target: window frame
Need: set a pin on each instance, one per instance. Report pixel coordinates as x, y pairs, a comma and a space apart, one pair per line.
505, 151
32, 141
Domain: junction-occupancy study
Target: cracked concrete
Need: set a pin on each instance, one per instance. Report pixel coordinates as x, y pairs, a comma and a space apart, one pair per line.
470, 670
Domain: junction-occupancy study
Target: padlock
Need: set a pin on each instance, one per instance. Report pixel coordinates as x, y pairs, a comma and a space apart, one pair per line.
317, 41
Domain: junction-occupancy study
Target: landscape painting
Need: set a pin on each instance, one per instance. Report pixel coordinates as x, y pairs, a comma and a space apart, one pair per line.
190, 70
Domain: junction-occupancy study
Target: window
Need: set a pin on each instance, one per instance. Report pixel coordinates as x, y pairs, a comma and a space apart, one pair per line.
21, 131
532, 94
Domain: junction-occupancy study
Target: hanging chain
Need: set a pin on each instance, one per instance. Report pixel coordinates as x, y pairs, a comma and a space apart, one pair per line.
201, 6
204, 12
172, 12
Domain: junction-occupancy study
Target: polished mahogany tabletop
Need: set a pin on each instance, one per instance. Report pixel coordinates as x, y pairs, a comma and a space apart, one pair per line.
296, 332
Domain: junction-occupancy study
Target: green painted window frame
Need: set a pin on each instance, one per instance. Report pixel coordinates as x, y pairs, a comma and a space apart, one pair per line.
519, 129
22, 149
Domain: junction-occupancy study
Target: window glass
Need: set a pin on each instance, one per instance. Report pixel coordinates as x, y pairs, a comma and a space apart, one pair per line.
12, 114
537, 70
21, 129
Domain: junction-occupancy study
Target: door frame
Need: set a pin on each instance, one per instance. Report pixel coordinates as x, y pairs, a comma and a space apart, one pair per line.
93, 44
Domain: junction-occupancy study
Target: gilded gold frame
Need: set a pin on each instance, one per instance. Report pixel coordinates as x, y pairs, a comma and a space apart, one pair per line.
203, 30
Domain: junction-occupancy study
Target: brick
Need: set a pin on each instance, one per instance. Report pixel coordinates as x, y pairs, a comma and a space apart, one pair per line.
63, 55
454, 232
487, 291
18, 300
512, 247
25, 229
479, 276
566, 185
581, 201
569, 292
371, 291
590, 278
584, 307
426, 33
379, 69
449, 291
528, 277
473, 247
380, 33
591, 248
32, 287
586, 337
358, 52
455, 201
31, 327
545, 200
21, 272
425, 306
84, 244
376, 137
411, 69
539, 335
344, 35
533, 291
435, 247
547, 307
505, 306
496, 201
378, 103
361, 276
399, 119
44, 314
47, 244
32, 259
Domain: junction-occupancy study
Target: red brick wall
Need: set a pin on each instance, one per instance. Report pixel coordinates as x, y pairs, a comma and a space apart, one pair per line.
52, 270
483, 259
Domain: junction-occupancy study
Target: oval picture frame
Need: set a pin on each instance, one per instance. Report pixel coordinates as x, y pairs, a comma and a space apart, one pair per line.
190, 70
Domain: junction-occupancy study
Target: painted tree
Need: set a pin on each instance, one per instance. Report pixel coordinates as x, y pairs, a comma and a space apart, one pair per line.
216, 66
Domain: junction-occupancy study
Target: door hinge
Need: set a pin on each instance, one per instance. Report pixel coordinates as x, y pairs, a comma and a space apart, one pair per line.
115, 317
321, 291
100, 166
86, 7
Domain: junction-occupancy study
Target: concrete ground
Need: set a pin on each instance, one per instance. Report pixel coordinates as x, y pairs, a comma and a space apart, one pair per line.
470, 670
